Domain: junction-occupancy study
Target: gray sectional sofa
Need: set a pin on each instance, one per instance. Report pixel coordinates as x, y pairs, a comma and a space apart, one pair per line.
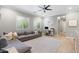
25, 36
18, 43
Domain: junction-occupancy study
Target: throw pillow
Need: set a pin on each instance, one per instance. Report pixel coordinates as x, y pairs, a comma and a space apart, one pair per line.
14, 35
9, 36
36, 32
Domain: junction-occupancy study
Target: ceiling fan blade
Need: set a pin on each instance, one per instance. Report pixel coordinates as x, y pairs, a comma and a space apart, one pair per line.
47, 6
48, 9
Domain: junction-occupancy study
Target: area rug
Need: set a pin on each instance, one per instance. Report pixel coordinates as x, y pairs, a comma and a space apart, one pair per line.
44, 44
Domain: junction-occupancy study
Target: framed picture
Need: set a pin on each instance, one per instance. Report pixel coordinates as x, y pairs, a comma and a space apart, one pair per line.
72, 23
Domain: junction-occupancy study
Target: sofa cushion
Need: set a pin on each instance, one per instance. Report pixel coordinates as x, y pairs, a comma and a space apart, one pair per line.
25, 33
19, 34
30, 32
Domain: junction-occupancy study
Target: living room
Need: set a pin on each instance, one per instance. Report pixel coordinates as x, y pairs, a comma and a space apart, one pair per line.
39, 28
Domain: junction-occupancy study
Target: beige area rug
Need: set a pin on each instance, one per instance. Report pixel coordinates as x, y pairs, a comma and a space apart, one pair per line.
44, 44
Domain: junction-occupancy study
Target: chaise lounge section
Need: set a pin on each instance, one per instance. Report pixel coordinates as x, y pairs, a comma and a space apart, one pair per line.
17, 45
20, 47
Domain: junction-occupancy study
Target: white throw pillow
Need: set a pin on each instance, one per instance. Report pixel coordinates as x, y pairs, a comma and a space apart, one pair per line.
12, 50
36, 32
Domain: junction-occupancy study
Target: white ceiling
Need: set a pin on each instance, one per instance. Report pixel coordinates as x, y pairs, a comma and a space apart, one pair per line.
56, 9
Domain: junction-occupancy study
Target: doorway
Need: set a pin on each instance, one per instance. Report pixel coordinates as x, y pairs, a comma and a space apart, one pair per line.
61, 26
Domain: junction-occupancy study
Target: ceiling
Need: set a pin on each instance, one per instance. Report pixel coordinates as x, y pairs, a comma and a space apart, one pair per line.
56, 9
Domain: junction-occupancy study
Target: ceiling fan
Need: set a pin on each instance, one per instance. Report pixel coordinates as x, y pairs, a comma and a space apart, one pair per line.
44, 8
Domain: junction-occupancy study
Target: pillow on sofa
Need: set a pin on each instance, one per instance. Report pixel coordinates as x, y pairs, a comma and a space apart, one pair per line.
36, 32
10, 36
14, 35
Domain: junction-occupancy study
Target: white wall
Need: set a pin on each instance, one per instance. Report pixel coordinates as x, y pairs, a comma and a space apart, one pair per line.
51, 22
8, 20
71, 31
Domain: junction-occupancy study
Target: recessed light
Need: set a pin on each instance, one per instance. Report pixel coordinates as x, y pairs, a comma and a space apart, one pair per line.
70, 8
63, 16
43, 15
58, 17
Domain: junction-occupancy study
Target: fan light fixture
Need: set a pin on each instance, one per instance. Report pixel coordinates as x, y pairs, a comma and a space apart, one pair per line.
44, 8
